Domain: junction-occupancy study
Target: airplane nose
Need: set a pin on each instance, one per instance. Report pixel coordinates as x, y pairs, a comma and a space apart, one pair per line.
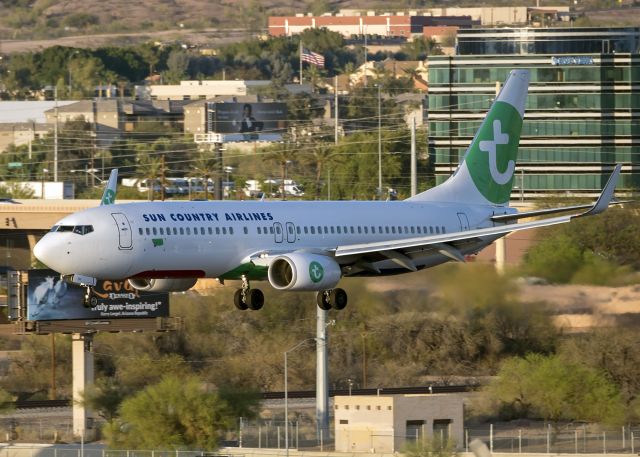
44, 252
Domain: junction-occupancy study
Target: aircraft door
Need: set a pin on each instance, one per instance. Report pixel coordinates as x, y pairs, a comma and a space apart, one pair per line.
464, 221
124, 230
278, 233
291, 232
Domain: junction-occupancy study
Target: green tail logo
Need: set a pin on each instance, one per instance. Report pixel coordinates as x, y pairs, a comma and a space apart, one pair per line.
492, 156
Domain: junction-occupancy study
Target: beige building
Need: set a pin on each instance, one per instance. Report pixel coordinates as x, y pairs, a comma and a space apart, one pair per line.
21, 133
379, 424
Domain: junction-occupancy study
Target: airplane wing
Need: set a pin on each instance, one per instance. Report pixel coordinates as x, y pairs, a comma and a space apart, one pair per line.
449, 243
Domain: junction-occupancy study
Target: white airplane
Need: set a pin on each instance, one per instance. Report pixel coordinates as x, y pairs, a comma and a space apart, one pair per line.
308, 246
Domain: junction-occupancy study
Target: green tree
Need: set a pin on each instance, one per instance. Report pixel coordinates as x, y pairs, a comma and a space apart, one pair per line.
206, 167
555, 389
176, 413
321, 156
177, 65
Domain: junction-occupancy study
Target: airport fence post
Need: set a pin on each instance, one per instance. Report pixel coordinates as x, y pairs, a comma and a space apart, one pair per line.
259, 437
520, 441
491, 437
576, 439
321, 440
278, 437
297, 436
632, 450
624, 444
549, 439
55, 452
604, 442
466, 440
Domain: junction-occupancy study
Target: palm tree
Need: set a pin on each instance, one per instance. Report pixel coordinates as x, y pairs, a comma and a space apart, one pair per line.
206, 166
151, 168
321, 156
282, 155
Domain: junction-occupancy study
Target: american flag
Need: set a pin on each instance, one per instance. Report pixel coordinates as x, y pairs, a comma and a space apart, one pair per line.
312, 57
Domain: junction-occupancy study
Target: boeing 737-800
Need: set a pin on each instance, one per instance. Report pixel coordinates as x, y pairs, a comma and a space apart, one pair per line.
308, 246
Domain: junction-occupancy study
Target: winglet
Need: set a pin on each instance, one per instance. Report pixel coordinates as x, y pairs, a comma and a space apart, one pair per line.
607, 194
109, 195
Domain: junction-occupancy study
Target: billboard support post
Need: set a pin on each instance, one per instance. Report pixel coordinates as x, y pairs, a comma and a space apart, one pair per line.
83, 376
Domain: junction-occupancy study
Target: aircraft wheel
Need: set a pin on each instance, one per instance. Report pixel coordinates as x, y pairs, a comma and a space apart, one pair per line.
255, 299
237, 300
322, 299
338, 299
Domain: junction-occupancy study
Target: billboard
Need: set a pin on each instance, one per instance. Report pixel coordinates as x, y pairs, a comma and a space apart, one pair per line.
247, 121
51, 298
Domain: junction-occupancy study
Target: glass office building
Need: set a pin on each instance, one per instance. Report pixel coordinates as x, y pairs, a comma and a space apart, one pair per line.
583, 108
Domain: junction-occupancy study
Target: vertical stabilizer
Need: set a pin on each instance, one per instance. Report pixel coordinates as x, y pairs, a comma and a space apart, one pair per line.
109, 195
486, 173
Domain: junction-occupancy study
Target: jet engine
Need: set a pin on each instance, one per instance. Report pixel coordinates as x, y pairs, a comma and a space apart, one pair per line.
304, 271
163, 285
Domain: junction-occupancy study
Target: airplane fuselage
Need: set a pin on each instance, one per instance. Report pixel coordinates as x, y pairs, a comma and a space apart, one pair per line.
222, 239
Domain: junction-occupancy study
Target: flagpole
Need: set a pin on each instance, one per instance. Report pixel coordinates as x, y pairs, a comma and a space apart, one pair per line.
300, 55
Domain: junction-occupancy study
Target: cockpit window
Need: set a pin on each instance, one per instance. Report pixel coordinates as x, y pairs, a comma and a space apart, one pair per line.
83, 229
79, 229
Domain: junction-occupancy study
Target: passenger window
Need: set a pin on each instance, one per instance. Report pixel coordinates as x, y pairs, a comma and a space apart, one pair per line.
332, 230
443, 230
345, 229
298, 230
148, 231
437, 229
418, 229
319, 230
413, 229
306, 230
380, 229
155, 232
188, 230
210, 230
181, 231
271, 230
373, 229
406, 229
259, 230
224, 230
386, 229
431, 230
278, 231
313, 230
338, 229
217, 230
230, 230
352, 230
393, 230
161, 231
175, 231
366, 230
139, 230
326, 230
246, 230
359, 229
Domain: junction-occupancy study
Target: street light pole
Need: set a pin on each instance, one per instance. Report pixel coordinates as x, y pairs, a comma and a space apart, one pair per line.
379, 145
286, 394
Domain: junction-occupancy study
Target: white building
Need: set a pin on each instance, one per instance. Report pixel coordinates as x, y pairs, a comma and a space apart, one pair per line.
379, 424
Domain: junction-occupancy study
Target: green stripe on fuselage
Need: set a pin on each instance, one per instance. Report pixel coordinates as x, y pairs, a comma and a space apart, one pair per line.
249, 270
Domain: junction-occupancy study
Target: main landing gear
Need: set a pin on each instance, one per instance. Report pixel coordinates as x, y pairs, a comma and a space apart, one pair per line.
247, 298
334, 298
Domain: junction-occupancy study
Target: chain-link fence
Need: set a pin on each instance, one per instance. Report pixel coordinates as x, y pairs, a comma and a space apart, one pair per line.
566, 439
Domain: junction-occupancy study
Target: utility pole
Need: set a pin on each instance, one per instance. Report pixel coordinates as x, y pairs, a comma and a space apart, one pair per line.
379, 145
55, 136
414, 161
335, 108
52, 395
365, 56
161, 177
322, 375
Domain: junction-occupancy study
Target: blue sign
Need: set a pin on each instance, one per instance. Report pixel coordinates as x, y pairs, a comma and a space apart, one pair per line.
572, 60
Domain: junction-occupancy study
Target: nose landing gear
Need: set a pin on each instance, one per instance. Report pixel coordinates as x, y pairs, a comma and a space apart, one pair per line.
247, 298
333, 298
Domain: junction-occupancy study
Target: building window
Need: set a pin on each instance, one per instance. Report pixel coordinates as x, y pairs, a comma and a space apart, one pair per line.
415, 429
344, 421
441, 429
